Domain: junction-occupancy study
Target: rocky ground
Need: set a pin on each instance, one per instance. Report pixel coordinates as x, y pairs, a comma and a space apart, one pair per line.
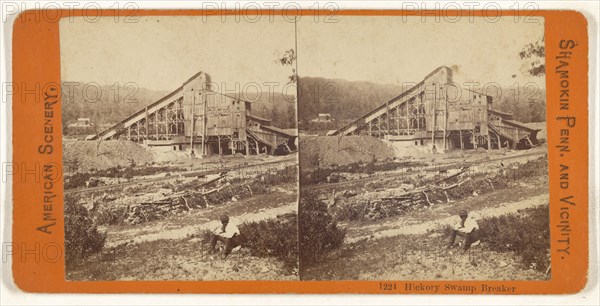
413, 246
154, 228
408, 245
173, 248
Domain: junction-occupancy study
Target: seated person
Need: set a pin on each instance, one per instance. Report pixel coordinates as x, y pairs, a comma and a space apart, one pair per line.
227, 233
467, 228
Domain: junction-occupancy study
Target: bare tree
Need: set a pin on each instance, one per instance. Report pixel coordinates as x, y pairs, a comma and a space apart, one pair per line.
289, 59
536, 53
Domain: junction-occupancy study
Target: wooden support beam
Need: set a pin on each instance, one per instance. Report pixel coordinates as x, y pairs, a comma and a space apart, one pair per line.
387, 118
204, 122
287, 146
220, 149
529, 140
146, 123
192, 126
499, 142
434, 113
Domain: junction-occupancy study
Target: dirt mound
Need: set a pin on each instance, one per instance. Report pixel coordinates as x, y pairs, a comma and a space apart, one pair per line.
86, 156
324, 151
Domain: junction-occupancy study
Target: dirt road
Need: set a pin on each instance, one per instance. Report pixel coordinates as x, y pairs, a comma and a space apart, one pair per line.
169, 230
404, 227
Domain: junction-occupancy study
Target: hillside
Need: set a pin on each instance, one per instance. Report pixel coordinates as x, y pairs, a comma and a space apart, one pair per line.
104, 104
108, 104
278, 107
346, 101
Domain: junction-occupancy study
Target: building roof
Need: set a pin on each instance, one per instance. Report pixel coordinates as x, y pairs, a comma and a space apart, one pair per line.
497, 131
284, 132
257, 118
520, 125
500, 113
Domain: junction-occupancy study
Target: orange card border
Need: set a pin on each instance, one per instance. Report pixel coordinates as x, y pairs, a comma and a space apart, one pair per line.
36, 60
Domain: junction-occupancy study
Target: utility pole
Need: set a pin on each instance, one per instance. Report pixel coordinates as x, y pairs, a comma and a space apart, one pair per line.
204, 122
445, 95
192, 125
146, 125
434, 116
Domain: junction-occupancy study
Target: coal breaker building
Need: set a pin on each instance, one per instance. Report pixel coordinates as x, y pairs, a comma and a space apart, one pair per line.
438, 114
195, 119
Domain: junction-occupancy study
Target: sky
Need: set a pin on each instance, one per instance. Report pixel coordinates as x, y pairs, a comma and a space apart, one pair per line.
390, 50
161, 53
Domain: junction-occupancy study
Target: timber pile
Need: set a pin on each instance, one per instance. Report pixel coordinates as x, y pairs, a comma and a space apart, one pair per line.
201, 196
436, 189
149, 211
428, 195
172, 204
396, 201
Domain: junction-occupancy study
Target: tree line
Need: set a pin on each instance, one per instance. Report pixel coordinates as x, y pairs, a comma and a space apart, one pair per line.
347, 100
106, 105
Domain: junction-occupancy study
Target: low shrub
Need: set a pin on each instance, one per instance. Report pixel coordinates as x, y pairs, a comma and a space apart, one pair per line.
111, 216
319, 232
527, 234
351, 212
82, 237
289, 174
276, 237
205, 236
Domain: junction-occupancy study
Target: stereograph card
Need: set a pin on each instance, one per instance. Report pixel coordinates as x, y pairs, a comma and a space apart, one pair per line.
312, 151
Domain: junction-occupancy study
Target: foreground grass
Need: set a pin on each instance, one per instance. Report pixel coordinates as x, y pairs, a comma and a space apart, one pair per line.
186, 259
424, 257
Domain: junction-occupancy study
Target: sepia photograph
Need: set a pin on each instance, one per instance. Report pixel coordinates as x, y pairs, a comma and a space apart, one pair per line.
179, 148
370, 148
422, 148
